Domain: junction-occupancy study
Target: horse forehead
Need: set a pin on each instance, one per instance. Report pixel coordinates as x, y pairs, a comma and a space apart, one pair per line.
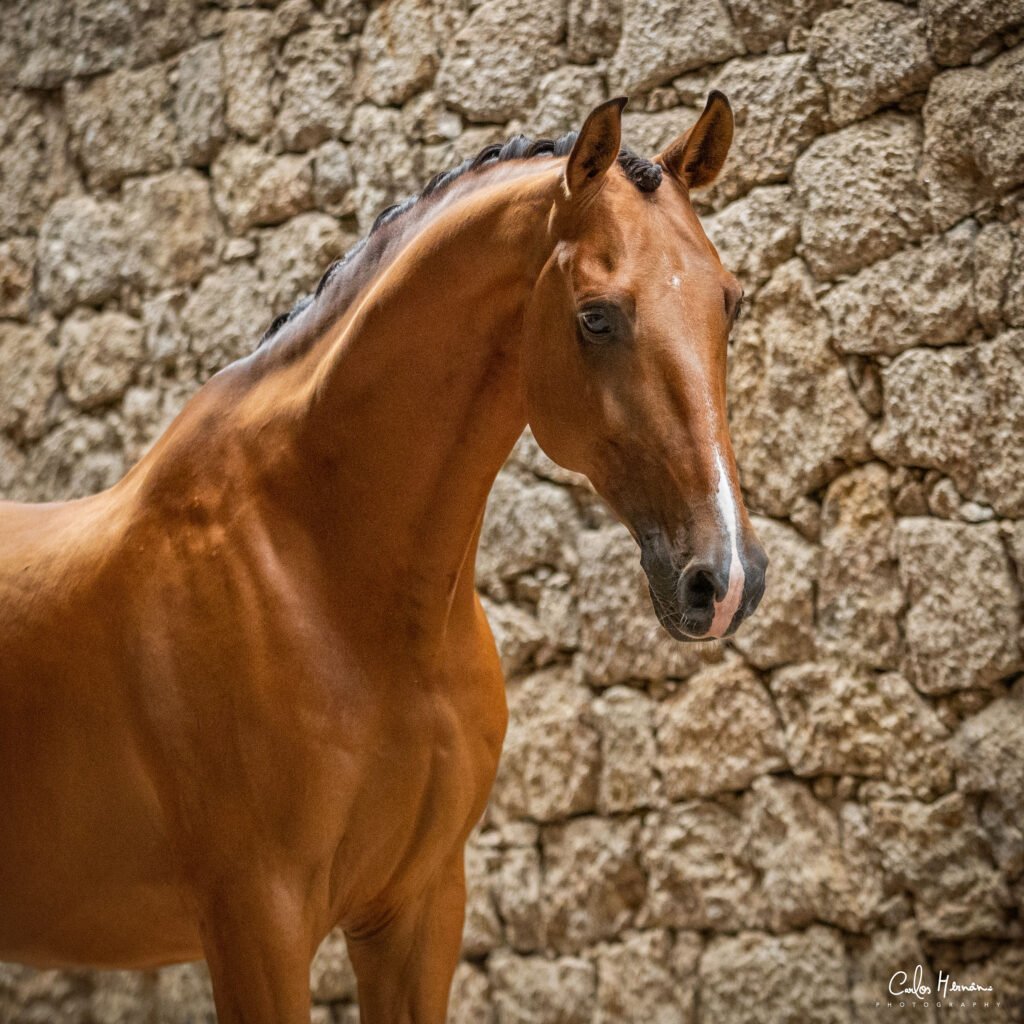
663, 227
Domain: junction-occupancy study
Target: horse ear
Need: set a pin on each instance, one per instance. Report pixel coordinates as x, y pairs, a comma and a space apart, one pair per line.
596, 148
696, 157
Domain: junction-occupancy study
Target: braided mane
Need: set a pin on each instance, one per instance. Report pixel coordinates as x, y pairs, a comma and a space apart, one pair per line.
644, 174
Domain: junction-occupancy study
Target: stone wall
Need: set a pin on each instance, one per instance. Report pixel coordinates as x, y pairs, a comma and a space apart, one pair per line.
762, 832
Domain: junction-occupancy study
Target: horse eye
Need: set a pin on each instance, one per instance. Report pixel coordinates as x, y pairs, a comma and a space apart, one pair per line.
595, 322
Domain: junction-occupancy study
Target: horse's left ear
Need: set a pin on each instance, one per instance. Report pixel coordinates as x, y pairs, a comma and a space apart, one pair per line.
596, 148
696, 157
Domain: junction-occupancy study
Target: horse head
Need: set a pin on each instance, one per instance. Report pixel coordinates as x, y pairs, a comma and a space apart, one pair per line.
624, 365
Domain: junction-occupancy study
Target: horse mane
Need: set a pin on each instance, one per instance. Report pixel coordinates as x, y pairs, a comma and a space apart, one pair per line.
365, 254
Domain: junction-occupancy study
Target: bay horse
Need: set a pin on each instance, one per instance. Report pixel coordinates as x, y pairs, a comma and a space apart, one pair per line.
248, 694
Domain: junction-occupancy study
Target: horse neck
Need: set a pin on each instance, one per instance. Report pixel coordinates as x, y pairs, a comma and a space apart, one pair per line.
413, 400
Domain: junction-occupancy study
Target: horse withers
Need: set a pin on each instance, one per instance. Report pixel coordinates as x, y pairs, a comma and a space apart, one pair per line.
248, 694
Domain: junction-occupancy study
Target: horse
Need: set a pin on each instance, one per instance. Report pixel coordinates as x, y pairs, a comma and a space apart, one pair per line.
248, 694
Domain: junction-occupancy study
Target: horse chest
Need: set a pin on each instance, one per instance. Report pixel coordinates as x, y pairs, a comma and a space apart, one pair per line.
422, 776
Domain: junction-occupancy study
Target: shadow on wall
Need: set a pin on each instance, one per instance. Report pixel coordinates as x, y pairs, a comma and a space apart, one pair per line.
758, 832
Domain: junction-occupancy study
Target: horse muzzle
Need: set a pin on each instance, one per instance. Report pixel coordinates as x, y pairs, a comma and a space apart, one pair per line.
709, 594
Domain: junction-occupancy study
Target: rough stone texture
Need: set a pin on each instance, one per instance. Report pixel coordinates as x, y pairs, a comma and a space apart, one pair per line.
650, 133
874, 961
549, 764
517, 633
122, 124
28, 365
482, 931
1013, 280
42, 45
957, 28
521, 43
919, 296
861, 193
42, 997
659, 40
294, 256
99, 356
759, 978
756, 233
17, 264
993, 274
762, 23
80, 253
625, 721
635, 984
219, 316
988, 759
594, 28
331, 976
399, 51
699, 873
199, 103
251, 187
786, 383
248, 62
939, 853
780, 108
184, 995
566, 96
533, 990
959, 411
34, 168
974, 135
963, 618
385, 167
675, 830
718, 732
525, 532
859, 597
1003, 972
593, 882
80, 454
470, 997
317, 94
874, 726
517, 895
810, 862
869, 55
171, 230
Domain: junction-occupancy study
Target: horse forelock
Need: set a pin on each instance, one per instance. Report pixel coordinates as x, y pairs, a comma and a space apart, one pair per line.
643, 173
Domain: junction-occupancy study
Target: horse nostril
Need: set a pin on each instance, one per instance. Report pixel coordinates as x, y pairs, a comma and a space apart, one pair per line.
697, 588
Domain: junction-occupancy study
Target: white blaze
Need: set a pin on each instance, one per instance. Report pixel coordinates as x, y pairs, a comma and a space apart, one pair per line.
725, 610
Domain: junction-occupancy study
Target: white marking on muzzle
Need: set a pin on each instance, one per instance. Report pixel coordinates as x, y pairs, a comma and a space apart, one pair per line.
725, 610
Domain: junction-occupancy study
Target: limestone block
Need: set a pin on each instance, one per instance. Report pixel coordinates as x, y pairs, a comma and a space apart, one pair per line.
549, 765
100, 354
521, 46
862, 196
958, 410
122, 124
717, 733
869, 55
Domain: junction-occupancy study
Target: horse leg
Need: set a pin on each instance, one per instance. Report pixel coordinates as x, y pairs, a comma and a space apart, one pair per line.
405, 969
258, 950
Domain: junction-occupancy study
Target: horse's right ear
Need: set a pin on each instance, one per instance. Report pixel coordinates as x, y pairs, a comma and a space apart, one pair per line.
696, 157
596, 149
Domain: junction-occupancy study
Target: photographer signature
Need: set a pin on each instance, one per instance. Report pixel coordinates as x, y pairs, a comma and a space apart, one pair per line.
945, 984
